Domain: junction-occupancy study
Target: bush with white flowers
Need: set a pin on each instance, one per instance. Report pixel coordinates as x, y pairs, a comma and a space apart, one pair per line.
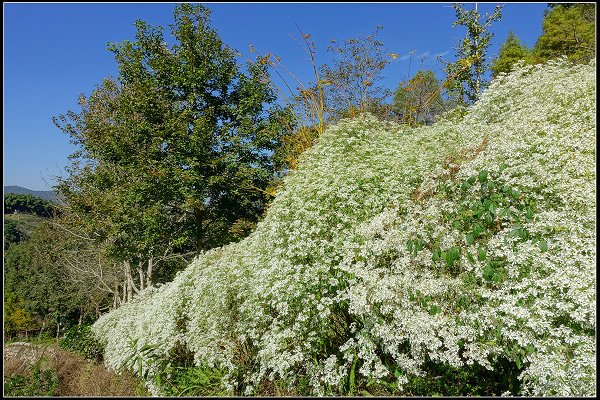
393, 255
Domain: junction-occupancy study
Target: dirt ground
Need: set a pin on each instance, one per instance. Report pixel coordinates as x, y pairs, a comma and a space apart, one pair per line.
77, 376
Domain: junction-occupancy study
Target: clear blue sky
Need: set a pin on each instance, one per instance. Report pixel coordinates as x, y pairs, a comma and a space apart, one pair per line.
54, 52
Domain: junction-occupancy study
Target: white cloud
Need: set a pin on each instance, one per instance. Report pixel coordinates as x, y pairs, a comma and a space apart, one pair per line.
422, 55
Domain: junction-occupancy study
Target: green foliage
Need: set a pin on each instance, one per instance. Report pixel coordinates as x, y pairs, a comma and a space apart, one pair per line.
419, 100
16, 317
194, 381
35, 282
81, 339
177, 151
12, 234
19, 227
27, 203
511, 51
568, 29
389, 263
175, 375
465, 76
40, 382
472, 380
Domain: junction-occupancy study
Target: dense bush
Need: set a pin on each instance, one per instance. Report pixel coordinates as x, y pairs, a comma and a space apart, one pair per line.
27, 203
12, 234
81, 339
456, 259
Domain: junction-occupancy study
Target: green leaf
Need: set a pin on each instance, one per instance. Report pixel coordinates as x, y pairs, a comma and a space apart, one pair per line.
488, 272
470, 258
477, 230
483, 176
518, 362
470, 239
543, 246
481, 254
352, 384
433, 310
529, 213
489, 219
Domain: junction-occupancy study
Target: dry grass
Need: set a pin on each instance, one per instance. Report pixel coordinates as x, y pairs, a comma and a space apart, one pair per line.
77, 376
451, 167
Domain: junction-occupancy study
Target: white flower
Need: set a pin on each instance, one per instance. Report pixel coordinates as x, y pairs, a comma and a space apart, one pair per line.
347, 254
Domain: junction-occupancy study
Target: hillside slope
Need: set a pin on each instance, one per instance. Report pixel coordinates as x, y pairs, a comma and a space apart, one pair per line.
393, 256
44, 194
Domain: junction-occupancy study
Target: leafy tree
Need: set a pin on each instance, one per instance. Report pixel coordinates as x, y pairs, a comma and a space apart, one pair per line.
465, 76
16, 317
27, 203
511, 51
568, 29
175, 156
419, 100
12, 234
46, 283
351, 82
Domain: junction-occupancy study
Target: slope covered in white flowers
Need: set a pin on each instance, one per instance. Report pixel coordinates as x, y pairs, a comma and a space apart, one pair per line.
392, 252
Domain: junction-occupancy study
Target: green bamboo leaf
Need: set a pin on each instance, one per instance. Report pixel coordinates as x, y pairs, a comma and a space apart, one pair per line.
352, 384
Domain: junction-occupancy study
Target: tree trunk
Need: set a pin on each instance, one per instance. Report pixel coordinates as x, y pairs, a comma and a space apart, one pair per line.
125, 287
131, 289
141, 273
149, 272
116, 299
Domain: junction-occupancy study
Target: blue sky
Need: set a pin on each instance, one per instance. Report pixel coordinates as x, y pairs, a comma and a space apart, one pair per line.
55, 51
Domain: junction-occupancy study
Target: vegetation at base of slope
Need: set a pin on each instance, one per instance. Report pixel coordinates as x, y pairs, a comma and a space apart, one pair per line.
42, 369
393, 257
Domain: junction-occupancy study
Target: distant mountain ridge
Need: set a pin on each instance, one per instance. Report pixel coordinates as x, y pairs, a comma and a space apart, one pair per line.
44, 194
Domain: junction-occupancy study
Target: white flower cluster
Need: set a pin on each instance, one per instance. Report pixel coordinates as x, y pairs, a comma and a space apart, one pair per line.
352, 273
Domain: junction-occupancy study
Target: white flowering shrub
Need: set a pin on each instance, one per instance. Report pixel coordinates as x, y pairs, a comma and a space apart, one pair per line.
457, 258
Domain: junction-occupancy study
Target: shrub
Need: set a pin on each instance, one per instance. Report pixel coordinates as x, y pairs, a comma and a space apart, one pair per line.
395, 259
81, 339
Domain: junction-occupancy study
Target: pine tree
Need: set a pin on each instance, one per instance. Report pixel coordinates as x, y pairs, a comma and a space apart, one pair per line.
511, 51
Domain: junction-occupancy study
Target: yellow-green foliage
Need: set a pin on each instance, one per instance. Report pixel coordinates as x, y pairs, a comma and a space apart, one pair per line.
16, 318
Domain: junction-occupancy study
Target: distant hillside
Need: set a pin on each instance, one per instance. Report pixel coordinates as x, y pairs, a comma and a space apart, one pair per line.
44, 194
